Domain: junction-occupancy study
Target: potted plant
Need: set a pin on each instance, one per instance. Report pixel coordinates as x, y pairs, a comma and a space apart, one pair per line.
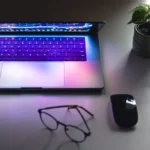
141, 38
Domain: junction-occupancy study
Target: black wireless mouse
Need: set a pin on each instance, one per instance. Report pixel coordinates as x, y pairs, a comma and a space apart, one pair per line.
124, 110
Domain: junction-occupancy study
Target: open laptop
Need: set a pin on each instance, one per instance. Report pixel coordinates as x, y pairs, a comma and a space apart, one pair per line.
50, 55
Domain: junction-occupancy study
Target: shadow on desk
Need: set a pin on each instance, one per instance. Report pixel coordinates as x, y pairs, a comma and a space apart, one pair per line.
68, 145
135, 74
51, 141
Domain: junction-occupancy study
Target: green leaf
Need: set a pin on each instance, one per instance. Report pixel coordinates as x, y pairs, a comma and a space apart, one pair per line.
130, 22
145, 5
132, 11
140, 16
142, 6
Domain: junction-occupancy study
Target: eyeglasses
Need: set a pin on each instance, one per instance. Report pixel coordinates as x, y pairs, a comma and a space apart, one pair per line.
73, 132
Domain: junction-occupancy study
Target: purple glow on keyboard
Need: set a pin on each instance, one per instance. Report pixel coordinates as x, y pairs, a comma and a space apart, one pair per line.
42, 49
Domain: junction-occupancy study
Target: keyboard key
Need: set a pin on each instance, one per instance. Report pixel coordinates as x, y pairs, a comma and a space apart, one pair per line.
11, 46
18, 46
25, 46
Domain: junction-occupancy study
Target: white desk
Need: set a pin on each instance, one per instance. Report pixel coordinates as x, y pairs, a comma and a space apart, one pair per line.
20, 126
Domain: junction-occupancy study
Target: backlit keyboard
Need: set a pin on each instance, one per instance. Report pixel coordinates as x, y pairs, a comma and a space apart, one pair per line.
42, 48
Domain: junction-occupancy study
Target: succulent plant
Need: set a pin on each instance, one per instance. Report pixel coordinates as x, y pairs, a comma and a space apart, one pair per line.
140, 14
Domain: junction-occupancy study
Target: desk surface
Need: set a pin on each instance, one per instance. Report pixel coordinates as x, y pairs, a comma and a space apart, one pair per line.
21, 129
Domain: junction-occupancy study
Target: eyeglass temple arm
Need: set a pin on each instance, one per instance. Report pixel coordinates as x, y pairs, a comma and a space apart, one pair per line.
75, 106
69, 107
92, 115
83, 119
62, 106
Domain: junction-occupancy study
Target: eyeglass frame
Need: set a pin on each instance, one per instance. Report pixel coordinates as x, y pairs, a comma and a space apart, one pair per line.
86, 134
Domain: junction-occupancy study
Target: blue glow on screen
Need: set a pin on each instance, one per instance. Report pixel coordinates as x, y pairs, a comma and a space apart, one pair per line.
45, 27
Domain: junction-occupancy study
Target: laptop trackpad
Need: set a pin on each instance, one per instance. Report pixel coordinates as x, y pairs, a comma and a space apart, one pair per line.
32, 74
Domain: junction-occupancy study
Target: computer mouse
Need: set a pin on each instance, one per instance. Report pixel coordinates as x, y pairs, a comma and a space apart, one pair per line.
124, 110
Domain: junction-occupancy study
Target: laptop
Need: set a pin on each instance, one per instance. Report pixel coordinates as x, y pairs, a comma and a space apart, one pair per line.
50, 55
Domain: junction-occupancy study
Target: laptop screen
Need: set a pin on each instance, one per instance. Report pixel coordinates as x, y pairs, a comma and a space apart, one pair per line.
45, 27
